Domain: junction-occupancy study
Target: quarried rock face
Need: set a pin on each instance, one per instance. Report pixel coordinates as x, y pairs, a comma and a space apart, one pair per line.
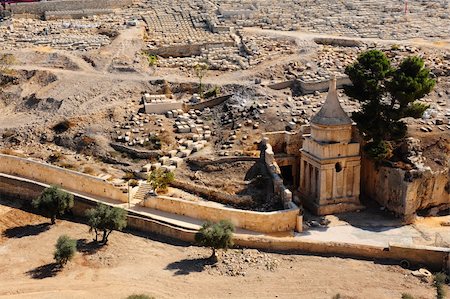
405, 192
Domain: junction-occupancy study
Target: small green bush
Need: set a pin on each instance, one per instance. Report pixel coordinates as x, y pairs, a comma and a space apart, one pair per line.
64, 250
407, 296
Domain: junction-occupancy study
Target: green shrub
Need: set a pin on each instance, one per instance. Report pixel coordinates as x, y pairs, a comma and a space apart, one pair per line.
54, 202
64, 250
439, 282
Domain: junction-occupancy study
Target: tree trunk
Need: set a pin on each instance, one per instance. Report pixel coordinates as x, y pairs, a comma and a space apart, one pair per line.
53, 219
213, 255
104, 238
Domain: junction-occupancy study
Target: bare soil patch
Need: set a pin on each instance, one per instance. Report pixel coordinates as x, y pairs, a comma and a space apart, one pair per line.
135, 264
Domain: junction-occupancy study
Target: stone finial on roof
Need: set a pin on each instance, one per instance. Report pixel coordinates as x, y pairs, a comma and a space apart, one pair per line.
331, 113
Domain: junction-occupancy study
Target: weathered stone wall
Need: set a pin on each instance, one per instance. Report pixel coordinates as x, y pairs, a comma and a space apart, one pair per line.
67, 179
267, 222
208, 103
142, 154
162, 107
433, 257
284, 142
75, 14
279, 188
186, 50
310, 87
40, 8
282, 85
404, 192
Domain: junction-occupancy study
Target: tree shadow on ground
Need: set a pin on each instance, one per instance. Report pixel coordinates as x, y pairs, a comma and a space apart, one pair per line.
86, 248
44, 271
26, 230
188, 266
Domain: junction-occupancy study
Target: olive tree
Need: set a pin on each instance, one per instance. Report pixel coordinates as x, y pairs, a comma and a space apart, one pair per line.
216, 236
104, 219
65, 249
388, 95
160, 179
54, 202
200, 71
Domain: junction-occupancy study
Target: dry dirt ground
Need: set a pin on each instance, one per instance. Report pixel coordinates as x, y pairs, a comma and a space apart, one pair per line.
136, 264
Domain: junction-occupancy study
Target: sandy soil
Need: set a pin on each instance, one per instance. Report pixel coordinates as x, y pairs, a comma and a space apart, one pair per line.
135, 264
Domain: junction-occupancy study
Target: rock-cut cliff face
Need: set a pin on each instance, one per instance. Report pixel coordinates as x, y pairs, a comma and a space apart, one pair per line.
405, 192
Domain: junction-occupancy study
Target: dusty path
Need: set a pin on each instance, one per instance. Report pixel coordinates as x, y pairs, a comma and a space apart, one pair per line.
443, 44
132, 264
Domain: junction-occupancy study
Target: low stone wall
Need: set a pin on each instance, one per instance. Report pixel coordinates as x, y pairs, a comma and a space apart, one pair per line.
75, 14
185, 50
162, 107
203, 163
207, 104
322, 86
435, 258
404, 192
266, 222
141, 154
282, 85
341, 42
39, 8
67, 179
310, 87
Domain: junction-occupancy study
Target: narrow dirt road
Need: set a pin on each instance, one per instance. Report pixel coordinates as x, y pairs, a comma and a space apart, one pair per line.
442, 44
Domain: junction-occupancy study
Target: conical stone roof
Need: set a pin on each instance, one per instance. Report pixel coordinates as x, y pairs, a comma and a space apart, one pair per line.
331, 113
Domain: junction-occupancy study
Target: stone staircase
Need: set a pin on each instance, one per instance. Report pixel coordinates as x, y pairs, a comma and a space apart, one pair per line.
143, 189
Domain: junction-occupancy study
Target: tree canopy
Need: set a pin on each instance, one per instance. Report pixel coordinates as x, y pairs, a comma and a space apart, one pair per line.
54, 202
104, 219
160, 179
387, 95
64, 250
215, 235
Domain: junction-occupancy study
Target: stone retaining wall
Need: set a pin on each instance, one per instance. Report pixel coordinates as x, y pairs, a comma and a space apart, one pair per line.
322, 86
208, 103
434, 258
67, 179
75, 14
310, 87
203, 163
39, 8
266, 222
142, 154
